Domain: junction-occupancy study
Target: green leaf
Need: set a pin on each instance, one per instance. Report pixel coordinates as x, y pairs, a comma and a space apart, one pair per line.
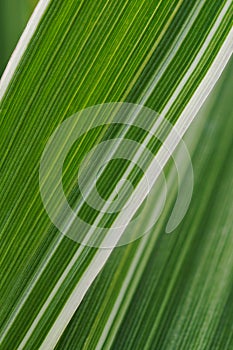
165, 55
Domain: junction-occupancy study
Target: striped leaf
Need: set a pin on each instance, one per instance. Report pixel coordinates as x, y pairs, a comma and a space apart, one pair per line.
163, 56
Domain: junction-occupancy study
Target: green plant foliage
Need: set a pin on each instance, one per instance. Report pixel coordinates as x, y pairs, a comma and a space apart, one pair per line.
162, 291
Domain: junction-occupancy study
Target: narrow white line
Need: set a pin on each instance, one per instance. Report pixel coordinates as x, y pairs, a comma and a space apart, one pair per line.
22, 45
198, 57
103, 254
175, 48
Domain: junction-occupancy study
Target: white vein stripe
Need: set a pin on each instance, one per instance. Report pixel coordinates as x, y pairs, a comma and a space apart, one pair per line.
22, 45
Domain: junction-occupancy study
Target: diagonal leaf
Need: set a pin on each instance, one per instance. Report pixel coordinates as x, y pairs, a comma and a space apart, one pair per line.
73, 55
